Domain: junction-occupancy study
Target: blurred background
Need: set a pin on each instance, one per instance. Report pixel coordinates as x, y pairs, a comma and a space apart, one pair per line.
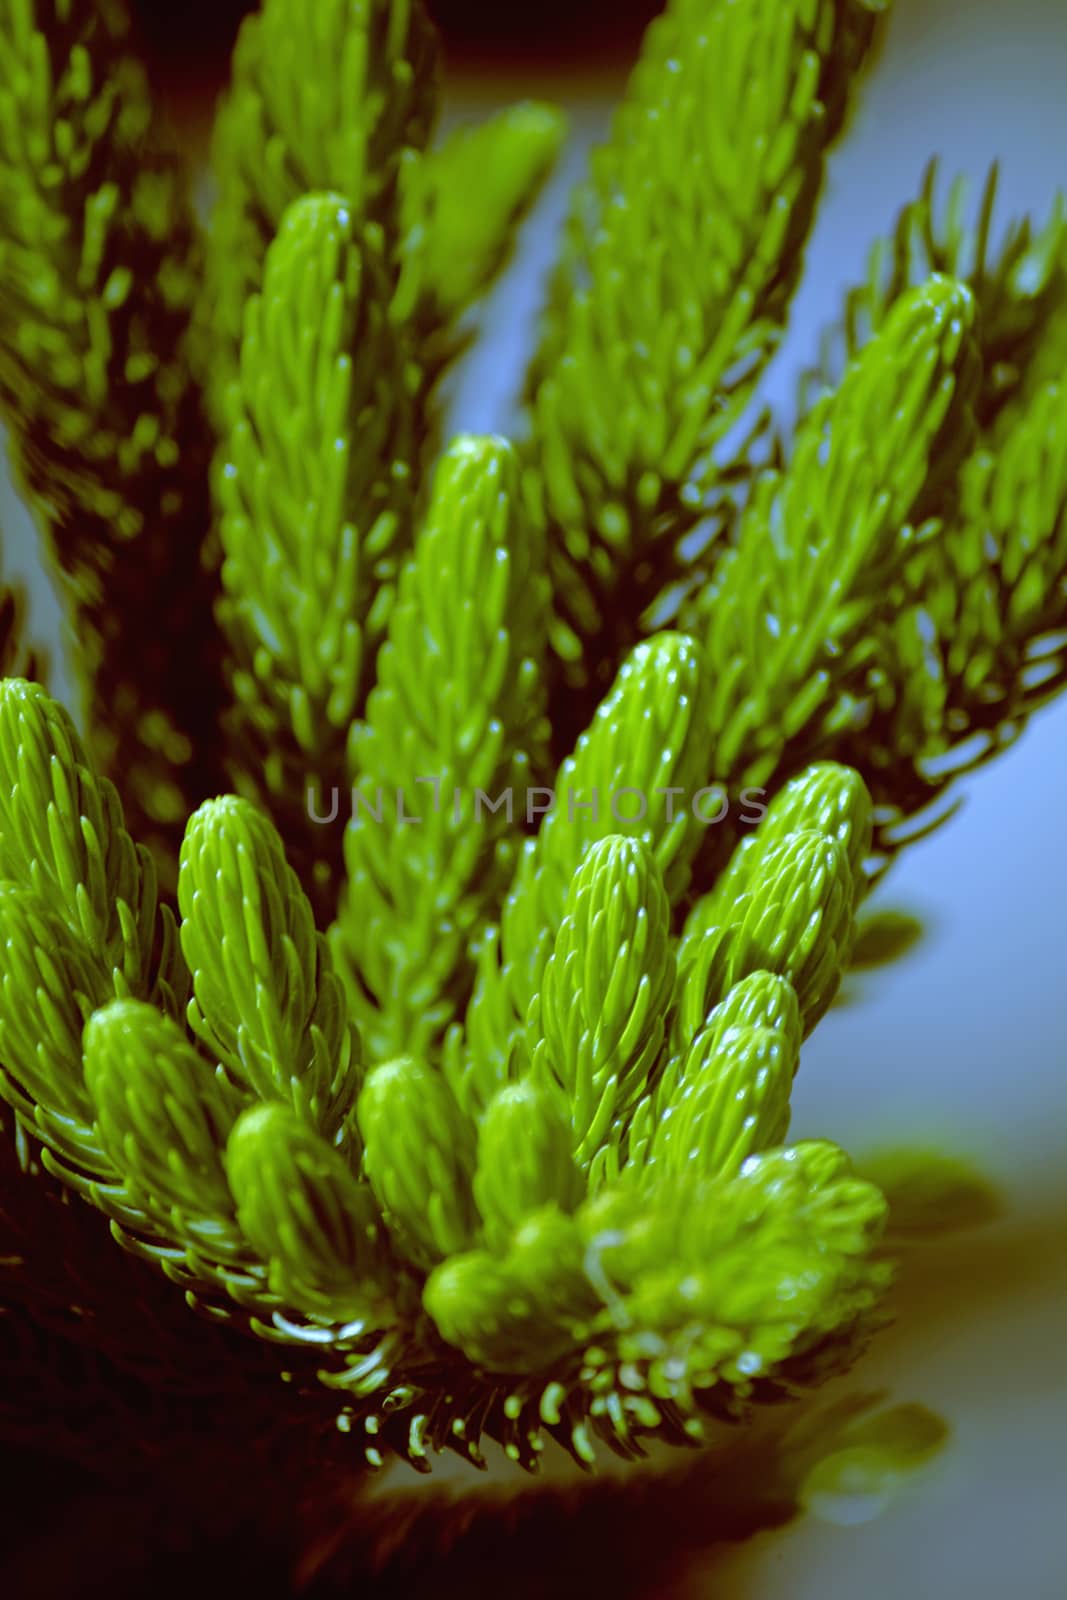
196, 38
962, 1045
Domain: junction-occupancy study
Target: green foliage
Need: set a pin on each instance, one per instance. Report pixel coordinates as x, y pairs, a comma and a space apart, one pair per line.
968, 648
513, 1237
736, 1271
475, 1110
346, 101
315, 494
789, 614
419, 1157
597, 1027
456, 249
62, 835
162, 1113
442, 761
266, 998
98, 272
51, 982
796, 921
656, 334
1018, 288
762, 1000
762, 1008
785, 903
643, 746
304, 1212
331, 198
735, 1101
513, 1313
331, 99
826, 797
525, 1159
959, 671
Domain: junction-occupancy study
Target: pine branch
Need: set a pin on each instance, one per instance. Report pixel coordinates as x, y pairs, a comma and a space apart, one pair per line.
163, 1115
98, 271
549, 1193
958, 673
51, 984
759, 961
443, 760
347, 103
597, 1026
453, 251
63, 838
419, 1158
681, 256
689, 1273
105, 1365
315, 493
739, 1080
304, 622
790, 616
970, 646
645, 745
1019, 287
712, 1233
266, 1001
525, 1159
329, 100
305, 1213
230, 1160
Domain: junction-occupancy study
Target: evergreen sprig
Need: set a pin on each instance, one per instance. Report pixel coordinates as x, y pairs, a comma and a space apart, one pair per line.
63, 836
335, 199
227, 1145
473, 1107
332, 100
451, 250
442, 762
971, 647
345, 101
598, 1023
315, 492
645, 743
959, 672
266, 1000
98, 273
656, 333
789, 613
1018, 285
